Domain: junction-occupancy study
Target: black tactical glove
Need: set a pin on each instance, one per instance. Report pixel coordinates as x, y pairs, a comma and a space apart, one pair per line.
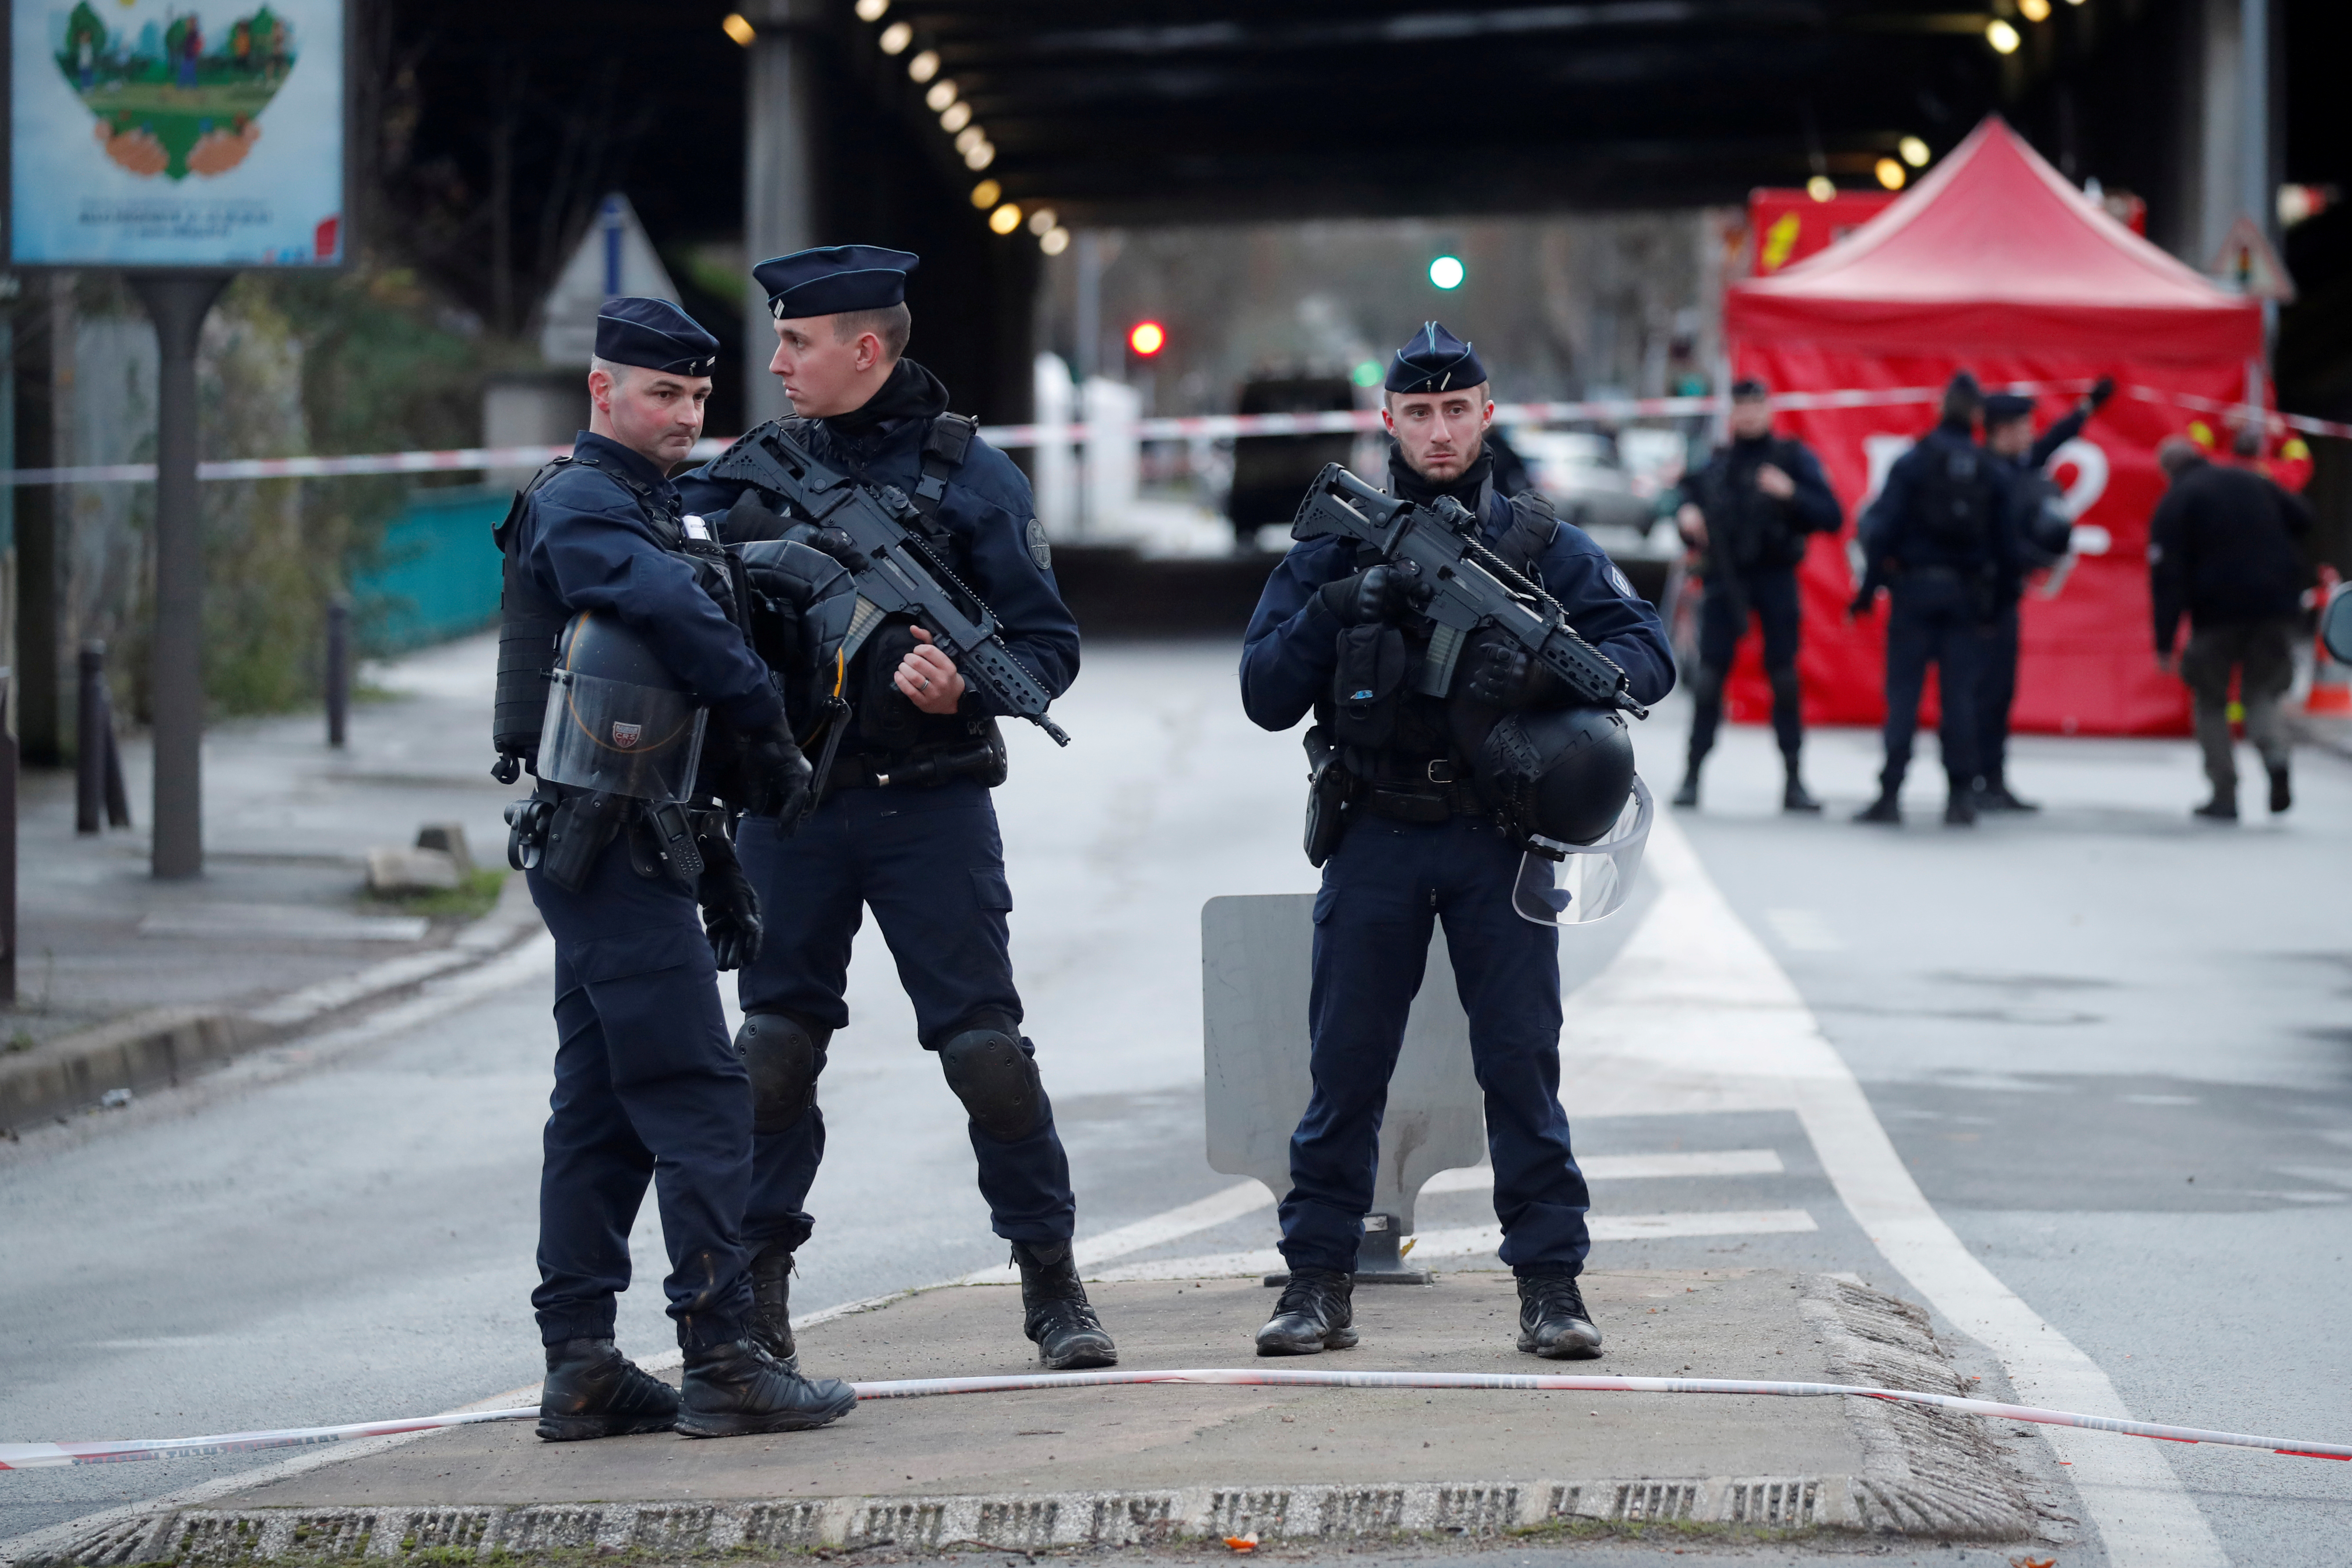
773, 778
836, 544
730, 906
748, 521
1507, 676
1376, 594
2101, 390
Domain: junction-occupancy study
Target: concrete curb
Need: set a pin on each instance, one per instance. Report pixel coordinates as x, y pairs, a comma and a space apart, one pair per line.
161, 1046
1021, 1522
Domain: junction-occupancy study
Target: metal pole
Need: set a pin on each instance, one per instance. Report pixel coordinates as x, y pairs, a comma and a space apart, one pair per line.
7, 848
2255, 115
89, 738
177, 304
339, 669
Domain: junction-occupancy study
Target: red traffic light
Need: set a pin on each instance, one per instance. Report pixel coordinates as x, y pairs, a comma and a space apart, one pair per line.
1147, 338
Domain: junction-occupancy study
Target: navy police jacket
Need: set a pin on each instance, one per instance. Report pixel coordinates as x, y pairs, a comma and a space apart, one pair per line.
1902, 528
1292, 644
585, 538
996, 547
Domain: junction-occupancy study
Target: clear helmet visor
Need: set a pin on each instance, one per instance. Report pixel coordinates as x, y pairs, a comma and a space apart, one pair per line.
615, 737
1589, 882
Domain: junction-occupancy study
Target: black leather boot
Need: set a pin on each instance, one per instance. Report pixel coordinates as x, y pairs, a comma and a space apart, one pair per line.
1317, 1313
772, 1306
1688, 794
2282, 788
594, 1391
1883, 809
1960, 809
1553, 1323
1056, 1314
735, 1389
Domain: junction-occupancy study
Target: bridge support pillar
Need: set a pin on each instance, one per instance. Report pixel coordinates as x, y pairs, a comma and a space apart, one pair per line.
780, 176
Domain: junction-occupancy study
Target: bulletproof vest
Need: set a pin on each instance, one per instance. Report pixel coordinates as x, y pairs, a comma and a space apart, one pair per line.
1954, 500
1372, 710
2045, 531
1750, 529
530, 619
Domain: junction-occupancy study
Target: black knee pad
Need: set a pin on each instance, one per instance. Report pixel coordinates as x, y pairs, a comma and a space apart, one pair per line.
783, 1056
996, 1080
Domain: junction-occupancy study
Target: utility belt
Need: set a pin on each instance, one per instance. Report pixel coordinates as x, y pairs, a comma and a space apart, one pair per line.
982, 757
561, 831
1418, 789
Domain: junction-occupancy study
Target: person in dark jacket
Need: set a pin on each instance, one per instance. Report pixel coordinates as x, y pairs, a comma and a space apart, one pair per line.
2037, 510
1427, 851
647, 1087
2222, 547
904, 826
1751, 512
1940, 538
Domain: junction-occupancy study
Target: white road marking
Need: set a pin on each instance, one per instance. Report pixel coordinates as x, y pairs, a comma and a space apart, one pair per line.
1804, 931
1695, 1015
1630, 1167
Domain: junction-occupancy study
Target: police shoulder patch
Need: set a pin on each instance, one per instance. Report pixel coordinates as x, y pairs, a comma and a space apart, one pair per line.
1619, 580
1040, 551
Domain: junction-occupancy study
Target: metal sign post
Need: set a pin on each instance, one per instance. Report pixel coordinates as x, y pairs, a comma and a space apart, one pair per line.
180, 144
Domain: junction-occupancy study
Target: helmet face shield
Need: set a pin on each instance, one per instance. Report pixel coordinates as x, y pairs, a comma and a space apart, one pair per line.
1590, 881
615, 737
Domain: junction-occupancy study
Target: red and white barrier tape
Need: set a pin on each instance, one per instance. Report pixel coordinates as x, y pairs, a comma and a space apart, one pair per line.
1207, 426
44, 1456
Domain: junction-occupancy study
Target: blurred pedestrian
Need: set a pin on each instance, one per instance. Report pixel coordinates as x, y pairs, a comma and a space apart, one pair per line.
1748, 513
1939, 539
2222, 547
2038, 510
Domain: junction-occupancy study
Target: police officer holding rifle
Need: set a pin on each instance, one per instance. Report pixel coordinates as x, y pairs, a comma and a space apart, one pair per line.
619, 645
945, 618
1469, 661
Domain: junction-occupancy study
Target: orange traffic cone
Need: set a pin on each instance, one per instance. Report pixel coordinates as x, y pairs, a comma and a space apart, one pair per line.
2331, 683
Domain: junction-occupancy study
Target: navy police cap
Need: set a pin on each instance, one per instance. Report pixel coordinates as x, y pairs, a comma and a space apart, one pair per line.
834, 278
1435, 361
653, 334
2003, 406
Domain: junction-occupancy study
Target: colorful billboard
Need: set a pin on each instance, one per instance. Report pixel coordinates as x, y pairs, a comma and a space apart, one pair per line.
153, 134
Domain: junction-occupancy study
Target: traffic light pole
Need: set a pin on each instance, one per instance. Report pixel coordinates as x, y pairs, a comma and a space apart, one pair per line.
178, 302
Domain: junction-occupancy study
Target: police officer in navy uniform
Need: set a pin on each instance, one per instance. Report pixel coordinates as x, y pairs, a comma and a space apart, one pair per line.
1428, 851
648, 1086
904, 826
1941, 538
1752, 510
2037, 511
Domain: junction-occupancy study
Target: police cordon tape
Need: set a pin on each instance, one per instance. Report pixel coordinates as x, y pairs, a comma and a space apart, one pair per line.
1203, 427
48, 1456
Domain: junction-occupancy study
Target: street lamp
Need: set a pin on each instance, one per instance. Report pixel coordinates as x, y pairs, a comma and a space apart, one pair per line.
1447, 272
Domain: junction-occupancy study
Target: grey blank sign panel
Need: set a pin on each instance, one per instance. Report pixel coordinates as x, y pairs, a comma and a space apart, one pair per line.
1254, 955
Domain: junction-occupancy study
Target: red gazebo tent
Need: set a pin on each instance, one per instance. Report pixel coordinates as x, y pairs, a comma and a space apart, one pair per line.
1995, 263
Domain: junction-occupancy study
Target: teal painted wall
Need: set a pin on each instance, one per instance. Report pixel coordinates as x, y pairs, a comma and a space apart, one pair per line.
439, 577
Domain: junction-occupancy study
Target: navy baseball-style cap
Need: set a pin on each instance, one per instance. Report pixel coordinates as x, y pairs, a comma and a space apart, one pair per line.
1434, 361
833, 278
1747, 388
653, 334
2003, 406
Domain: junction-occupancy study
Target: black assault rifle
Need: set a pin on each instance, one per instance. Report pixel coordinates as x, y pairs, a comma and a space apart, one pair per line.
1460, 584
894, 571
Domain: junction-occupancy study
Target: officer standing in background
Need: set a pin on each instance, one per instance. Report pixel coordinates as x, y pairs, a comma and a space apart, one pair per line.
1429, 851
1751, 512
2037, 509
1941, 539
2224, 548
903, 825
648, 1086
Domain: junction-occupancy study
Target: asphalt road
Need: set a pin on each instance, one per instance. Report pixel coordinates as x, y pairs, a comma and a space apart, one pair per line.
2108, 1044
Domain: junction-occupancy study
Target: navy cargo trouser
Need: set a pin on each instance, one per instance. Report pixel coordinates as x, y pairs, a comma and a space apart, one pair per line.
647, 1088
1996, 694
1932, 618
931, 865
1381, 890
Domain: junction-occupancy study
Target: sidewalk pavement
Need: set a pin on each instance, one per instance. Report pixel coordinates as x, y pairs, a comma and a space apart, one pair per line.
1146, 1465
124, 982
